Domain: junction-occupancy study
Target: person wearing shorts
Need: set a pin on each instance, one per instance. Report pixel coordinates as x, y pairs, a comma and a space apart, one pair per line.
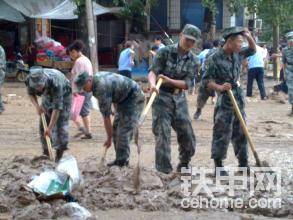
81, 64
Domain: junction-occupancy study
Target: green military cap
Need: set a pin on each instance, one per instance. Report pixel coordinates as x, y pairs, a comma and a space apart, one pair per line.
191, 32
80, 80
232, 31
37, 77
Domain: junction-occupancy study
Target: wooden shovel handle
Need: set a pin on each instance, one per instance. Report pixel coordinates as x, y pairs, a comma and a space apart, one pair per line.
244, 127
150, 103
105, 152
48, 140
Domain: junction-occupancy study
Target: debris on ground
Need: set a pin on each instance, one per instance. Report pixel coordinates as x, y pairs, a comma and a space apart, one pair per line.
100, 191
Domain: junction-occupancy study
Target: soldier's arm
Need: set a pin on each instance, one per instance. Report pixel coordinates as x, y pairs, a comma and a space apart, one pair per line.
34, 101
109, 131
187, 81
181, 84
208, 79
54, 118
157, 66
251, 50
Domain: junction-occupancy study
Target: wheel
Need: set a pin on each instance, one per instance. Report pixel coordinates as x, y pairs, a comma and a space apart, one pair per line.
21, 76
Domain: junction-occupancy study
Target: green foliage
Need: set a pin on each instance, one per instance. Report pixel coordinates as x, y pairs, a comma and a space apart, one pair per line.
135, 12
275, 11
80, 6
272, 12
134, 8
211, 5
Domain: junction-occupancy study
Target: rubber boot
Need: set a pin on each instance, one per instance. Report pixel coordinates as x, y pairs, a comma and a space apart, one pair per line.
181, 165
197, 114
59, 154
219, 163
118, 163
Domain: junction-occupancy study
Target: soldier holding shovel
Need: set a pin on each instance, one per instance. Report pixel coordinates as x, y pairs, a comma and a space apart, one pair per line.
55, 90
176, 65
223, 75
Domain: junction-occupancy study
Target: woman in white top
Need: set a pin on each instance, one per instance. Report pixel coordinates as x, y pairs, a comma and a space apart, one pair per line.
81, 64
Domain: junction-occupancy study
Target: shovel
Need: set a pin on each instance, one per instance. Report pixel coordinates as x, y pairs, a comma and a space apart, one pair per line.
103, 161
245, 130
150, 103
48, 140
136, 171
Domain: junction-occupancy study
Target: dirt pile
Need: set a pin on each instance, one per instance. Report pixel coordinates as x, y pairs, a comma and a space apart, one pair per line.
109, 189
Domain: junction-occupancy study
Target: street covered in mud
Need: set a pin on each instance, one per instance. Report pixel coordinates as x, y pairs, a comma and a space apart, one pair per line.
108, 193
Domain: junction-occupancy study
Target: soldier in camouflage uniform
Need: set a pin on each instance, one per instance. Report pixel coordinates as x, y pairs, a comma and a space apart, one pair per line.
203, 93
2, 75
128, 99
56, 93
176, 65
287, 59
223, 74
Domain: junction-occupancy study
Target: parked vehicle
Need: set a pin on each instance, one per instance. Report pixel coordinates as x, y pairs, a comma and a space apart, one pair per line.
17, 68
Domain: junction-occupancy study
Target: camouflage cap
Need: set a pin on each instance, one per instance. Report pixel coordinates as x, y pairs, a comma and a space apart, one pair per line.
37, 77
191, 32
80, 80
232, 31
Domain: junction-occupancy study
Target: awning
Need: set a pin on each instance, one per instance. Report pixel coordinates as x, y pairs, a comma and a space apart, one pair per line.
8, 13
54, 9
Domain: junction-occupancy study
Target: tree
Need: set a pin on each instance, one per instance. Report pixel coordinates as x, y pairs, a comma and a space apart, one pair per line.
209, 28
273, 13
82, 24
134, 12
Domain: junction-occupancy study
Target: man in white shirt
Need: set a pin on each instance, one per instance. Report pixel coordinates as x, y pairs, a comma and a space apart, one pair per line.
256, 71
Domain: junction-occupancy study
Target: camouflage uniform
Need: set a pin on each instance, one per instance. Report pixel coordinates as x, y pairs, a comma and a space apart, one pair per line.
203, 93
57, 95
170, 107
227, 127
288, 60
2, 75
128, 98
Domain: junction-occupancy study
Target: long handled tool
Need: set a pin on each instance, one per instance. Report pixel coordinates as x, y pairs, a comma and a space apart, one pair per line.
48, 140
245, 130
102, 163
150, 103
136, 171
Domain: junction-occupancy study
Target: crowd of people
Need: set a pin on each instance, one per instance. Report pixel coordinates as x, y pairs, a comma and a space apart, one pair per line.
220, 67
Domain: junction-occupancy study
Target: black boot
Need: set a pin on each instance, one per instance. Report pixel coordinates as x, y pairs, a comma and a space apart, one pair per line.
181, 165
219, 163
197, 114
46, 152
244, 163
119, 163
59, 154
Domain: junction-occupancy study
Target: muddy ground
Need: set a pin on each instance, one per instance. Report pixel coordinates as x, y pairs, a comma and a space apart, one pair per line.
110, 195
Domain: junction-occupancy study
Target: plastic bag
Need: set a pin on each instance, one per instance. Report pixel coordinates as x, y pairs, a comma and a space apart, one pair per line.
95, 103
74, 211
63, 180
50, 183
68, 166
77, 102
